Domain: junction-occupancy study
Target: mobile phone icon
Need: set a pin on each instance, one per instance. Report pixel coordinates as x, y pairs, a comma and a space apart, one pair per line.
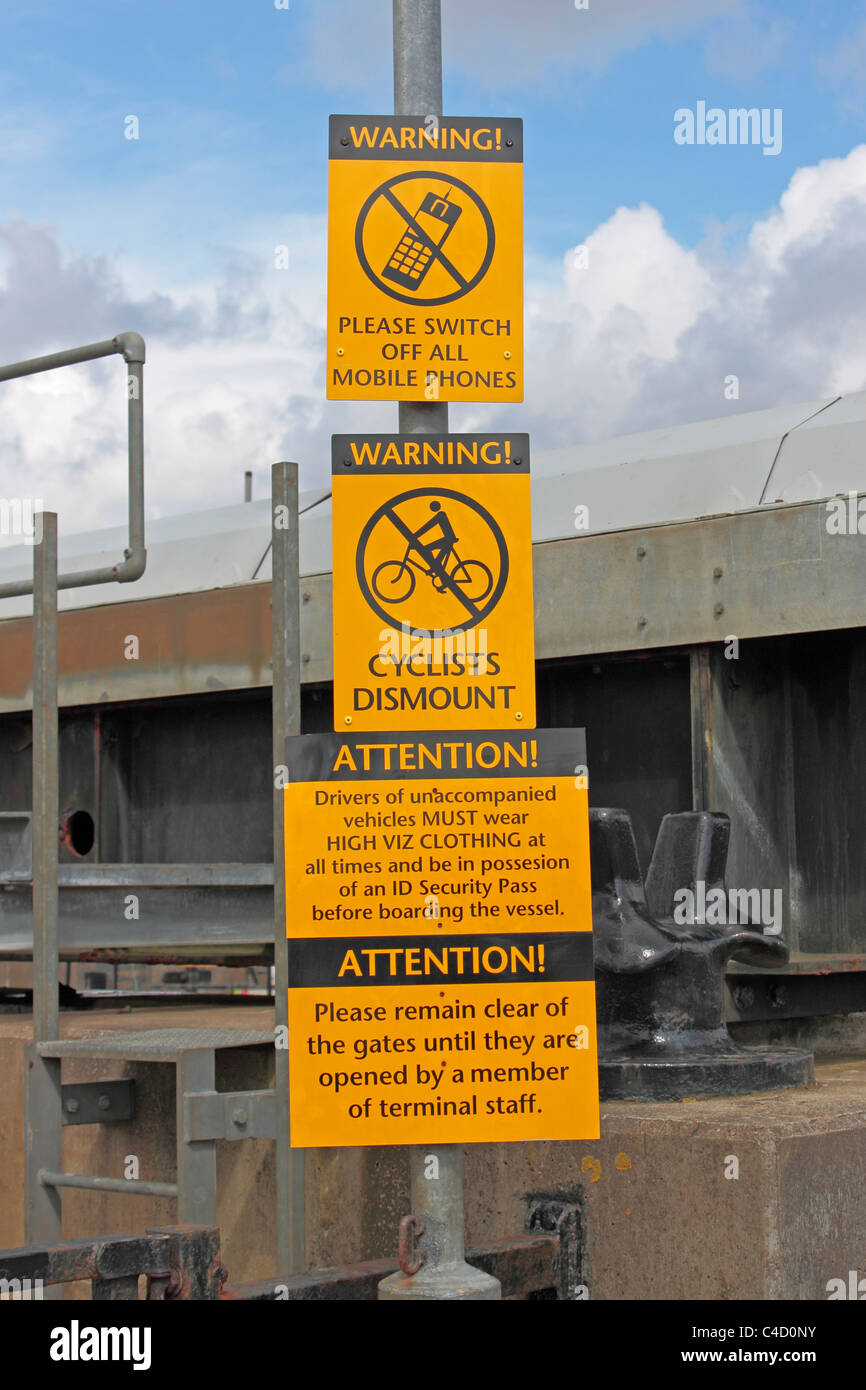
412, 256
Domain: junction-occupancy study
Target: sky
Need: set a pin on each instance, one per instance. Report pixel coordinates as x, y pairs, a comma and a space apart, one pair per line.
700, 262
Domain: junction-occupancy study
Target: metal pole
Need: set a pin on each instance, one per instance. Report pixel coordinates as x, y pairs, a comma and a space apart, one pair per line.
418, 92
248, 486
43, 1126
436, 1175
286, 618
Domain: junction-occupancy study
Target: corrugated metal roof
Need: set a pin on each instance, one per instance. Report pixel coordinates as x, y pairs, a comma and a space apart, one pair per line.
787, 454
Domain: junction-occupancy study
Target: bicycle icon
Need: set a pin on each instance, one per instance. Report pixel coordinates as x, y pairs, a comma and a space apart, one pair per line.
394, 580
460, 591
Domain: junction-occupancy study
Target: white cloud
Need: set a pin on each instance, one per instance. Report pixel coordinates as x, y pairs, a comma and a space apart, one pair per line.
643, 337
646, 335
496, 42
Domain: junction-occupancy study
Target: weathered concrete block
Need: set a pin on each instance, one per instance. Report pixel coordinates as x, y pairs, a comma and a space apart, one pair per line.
751, 1197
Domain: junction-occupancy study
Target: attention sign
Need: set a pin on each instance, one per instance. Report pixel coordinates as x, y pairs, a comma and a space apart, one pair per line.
440, 944
432, 582
425, 259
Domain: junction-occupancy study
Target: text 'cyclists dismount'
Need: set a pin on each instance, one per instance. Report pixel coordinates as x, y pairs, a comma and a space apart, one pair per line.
425, 259
433, 609
440, 939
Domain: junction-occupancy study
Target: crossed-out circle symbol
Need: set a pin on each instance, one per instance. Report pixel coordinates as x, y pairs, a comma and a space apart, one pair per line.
414, 243
406, 566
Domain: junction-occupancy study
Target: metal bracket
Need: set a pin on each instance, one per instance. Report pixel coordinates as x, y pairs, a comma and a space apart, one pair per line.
98, 1102
16, 847
230, 1115
563, 1218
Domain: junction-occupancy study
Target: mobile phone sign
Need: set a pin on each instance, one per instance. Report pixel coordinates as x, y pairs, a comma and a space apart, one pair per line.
425, 215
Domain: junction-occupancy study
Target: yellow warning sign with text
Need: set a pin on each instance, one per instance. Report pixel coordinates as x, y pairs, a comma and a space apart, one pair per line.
432, 587
494, 1063
425, 259
440, 939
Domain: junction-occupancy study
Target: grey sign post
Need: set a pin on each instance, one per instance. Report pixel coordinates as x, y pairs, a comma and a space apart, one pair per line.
436, 1174
285, 606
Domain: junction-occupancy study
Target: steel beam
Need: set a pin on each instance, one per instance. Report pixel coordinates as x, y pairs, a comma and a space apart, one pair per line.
196, 1158
43, 1128
286, 664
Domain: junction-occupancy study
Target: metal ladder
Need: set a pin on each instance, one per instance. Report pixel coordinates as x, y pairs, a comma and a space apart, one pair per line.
204, 1115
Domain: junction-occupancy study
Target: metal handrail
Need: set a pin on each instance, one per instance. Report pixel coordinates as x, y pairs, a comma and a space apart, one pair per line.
132, 566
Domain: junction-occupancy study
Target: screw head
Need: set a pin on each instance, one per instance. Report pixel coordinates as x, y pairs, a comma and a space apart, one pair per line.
341, 352
347, 719
518, 715
71, 1107
718, 609
717, 572
641, 551
104, 1103
239, 1116
506, 354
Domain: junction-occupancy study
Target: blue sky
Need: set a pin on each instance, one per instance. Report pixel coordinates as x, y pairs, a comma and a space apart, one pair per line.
233, 100
174, 232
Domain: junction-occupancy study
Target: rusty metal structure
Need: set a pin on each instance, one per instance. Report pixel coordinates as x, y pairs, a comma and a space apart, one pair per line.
183, 1263
704, 541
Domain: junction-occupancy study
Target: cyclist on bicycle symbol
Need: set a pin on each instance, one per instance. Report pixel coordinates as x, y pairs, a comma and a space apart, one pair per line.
431, 550
438, 550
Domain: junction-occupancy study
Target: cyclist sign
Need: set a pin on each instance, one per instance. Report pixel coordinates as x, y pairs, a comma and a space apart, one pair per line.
425, 259
460, 592
432, 582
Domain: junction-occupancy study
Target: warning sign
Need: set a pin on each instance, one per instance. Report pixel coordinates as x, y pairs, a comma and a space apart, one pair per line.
425, 259
432, 582
440, 947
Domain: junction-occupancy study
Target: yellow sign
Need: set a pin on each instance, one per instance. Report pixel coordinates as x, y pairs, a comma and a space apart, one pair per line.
433, 612
425, 259
440, 946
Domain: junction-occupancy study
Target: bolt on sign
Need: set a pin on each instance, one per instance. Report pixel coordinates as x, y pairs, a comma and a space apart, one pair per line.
425, 259
440, 939
433, 613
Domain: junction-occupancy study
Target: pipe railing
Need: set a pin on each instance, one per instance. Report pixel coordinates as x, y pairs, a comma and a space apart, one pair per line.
131, 567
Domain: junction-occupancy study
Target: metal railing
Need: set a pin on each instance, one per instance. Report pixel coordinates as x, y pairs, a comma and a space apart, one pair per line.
184, 1263
132, 566
179, 1263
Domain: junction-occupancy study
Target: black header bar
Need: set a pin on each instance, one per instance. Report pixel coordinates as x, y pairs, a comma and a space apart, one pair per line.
437, 756
551, 957
426, 456
428, 139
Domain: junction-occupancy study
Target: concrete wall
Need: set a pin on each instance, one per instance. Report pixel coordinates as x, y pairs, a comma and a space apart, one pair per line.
663, 1221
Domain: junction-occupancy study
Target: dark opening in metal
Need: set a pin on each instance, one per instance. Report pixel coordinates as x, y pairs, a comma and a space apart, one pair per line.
78, 832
